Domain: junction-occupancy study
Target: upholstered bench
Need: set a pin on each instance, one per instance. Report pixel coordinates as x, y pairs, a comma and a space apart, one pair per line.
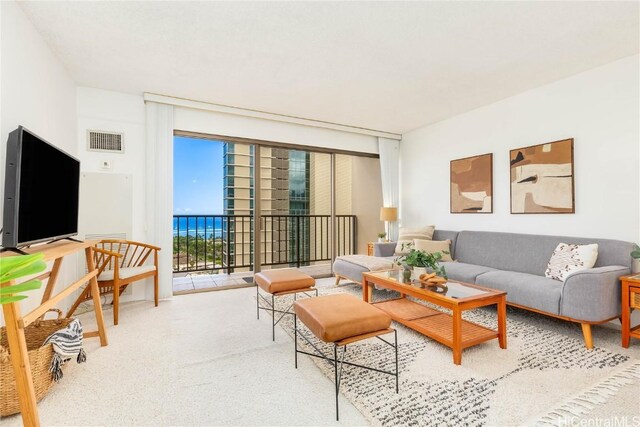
340, 320
277, 283
351, 267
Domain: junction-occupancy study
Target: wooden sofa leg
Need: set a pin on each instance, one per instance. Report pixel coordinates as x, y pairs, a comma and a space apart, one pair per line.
588, 339
338, 280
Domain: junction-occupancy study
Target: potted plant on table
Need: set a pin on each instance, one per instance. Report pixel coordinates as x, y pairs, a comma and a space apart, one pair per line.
420, 261
635, 254
381, 237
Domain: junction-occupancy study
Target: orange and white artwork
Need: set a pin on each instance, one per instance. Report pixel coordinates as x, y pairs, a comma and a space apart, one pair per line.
542, 178
472, 184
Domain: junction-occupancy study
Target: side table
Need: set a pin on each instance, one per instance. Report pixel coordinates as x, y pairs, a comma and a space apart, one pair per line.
370, 248
630, 300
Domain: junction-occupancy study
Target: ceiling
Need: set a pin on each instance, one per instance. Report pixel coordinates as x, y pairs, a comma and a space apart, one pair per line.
391, 66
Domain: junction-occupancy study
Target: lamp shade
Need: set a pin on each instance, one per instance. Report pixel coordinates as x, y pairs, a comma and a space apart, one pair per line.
388, 214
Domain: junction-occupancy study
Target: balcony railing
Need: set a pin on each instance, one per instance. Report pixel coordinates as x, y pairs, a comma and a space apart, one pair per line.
222, 243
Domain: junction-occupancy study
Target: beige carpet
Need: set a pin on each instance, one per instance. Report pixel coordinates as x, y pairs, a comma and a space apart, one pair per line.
200, 359
204, 359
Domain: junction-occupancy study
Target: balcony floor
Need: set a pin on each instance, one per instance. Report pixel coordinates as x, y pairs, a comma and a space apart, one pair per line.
184, 283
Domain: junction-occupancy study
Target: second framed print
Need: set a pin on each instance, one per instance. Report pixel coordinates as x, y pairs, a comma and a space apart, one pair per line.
542, 178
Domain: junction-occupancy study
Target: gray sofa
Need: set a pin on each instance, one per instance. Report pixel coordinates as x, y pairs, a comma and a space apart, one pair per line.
516, 263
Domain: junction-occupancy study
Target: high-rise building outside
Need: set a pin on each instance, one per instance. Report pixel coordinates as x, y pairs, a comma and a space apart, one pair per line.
285, 197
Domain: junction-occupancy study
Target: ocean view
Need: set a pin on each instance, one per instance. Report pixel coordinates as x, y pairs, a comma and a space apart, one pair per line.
207, 226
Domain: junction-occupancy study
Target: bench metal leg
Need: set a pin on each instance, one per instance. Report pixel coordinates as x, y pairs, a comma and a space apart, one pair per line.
395, 334
335, 369
273, 310
295, 337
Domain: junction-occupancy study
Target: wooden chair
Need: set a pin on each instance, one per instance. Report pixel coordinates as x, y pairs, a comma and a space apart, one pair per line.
121, 263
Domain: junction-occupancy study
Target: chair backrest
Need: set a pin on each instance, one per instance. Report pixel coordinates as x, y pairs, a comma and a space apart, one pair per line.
133, 254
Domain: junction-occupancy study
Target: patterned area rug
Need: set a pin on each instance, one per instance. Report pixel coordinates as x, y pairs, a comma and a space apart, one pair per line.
541, 368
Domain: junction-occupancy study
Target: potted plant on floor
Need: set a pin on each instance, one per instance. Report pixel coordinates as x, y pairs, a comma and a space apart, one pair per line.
381, 237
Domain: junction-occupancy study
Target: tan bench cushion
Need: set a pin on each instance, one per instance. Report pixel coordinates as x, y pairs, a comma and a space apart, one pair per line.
274, 281
335, 317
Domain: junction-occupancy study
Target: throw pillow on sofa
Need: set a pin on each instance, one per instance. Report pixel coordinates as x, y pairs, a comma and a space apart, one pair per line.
568, 259
432, 246
406, 236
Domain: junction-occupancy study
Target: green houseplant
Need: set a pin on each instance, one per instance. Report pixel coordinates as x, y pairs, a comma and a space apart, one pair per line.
421, 259
15, 267
635, 253
381, 237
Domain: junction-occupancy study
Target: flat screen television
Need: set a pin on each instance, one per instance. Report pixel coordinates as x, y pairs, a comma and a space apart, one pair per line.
41, 191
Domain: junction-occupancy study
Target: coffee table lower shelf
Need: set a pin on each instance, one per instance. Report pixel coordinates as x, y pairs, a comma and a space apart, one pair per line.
435, 324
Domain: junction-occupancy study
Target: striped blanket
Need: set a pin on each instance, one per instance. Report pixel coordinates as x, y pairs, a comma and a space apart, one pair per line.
67, 343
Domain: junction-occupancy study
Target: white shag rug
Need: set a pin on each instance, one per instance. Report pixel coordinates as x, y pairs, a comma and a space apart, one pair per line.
545, 377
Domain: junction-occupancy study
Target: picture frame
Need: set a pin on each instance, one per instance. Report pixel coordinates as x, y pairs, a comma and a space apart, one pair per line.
471, 185
542, 178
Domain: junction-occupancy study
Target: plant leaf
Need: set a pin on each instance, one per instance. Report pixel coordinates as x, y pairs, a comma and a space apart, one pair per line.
35, 266
12, 262
11, 298
22, 287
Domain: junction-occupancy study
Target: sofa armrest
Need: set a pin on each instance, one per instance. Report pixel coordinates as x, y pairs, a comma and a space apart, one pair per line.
385, 249
593, 295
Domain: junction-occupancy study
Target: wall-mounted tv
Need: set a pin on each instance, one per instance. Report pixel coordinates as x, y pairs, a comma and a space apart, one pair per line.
41, 191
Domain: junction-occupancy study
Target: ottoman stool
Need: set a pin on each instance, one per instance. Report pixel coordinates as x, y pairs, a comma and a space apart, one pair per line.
277, 283
340, 320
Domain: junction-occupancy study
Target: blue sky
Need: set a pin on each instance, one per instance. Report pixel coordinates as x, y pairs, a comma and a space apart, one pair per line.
197, 176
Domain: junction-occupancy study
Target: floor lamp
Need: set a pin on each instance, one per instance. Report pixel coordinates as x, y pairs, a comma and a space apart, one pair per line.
388, 215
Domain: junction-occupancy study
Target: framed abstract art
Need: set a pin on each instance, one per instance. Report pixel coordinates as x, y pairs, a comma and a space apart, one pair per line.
472, 184
542, 178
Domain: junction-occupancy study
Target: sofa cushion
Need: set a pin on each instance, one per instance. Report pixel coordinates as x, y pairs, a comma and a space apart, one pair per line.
432, 246
568, 259
447, 235
525, 289
464, 272
406, 237
529, 253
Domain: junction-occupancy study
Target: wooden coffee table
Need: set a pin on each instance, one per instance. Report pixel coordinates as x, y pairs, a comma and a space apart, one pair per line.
447, 329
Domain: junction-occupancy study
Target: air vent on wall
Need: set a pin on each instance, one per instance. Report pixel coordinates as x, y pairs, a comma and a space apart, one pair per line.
105, 141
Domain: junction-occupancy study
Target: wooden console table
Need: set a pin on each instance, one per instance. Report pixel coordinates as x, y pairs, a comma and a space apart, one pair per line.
630, 301
16, 322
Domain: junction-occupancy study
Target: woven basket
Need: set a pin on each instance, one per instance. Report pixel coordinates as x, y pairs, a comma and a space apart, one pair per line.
635, 300
39, 359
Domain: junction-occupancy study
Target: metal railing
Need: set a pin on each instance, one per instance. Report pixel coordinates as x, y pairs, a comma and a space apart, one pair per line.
222, 243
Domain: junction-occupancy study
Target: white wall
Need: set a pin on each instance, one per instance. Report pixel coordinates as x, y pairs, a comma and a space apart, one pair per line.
104, 110
116, 112
249, 127
600, 108
38, 93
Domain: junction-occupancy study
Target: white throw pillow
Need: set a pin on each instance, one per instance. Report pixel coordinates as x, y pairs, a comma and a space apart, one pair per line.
406, 237
567, 259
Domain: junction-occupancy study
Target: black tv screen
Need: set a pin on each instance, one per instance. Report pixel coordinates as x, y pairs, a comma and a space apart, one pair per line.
41, 191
